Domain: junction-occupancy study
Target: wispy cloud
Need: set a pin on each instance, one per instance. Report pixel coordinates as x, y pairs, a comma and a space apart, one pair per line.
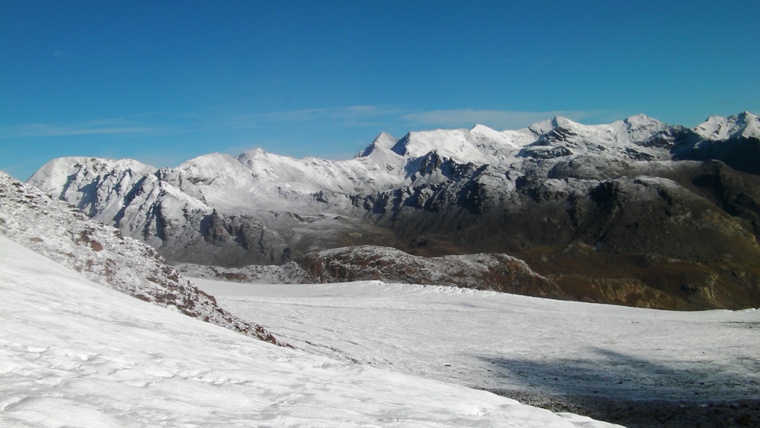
86, 128
350, 113
387, 117
151, 123
373, 115
162, 123
499, 119
349, 116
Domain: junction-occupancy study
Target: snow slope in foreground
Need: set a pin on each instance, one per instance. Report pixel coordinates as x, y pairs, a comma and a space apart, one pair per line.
507, 342
76, 354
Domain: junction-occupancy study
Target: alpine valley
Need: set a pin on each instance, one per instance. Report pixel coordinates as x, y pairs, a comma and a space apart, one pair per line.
636, 212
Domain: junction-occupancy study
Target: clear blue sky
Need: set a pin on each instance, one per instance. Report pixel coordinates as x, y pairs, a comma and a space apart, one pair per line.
165, 81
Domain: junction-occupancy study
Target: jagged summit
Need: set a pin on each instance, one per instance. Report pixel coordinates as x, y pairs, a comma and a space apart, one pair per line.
211, 165
561, 121
718, 128
58, 171
258, 151
458, 144
384, 141
640, 119
480, 128
507, 139
545, 126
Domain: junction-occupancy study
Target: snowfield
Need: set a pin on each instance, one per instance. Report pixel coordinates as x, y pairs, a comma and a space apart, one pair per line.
513, 343
74, 353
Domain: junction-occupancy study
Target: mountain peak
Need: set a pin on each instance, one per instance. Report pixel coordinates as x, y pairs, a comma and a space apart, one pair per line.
384, 141
747, 116
257, 152
456, 144
562, 122
541, 128
72, 174
641, 119
718, 128
479, 128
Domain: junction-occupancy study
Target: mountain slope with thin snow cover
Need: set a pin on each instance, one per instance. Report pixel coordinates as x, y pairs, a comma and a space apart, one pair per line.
605, 211
77, 354
100, 253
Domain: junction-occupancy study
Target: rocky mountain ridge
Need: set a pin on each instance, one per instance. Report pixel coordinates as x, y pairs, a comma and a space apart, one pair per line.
497, 272
595, 208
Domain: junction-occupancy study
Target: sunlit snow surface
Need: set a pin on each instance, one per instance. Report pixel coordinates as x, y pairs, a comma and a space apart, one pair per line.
515, 343
73, 353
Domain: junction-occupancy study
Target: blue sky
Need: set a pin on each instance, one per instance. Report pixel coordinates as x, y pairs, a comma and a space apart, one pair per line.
165, 81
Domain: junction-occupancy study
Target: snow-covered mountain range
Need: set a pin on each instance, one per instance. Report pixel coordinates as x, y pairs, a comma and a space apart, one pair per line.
634, 212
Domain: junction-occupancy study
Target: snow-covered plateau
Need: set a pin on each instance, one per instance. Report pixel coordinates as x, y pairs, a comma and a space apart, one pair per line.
500, 341
638, 367
77, 354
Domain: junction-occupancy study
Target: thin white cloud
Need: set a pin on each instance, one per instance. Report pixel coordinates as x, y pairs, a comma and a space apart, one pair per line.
350, 116
341, 113
87, 128
378, 115
497, 119
163, 123
150, 123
